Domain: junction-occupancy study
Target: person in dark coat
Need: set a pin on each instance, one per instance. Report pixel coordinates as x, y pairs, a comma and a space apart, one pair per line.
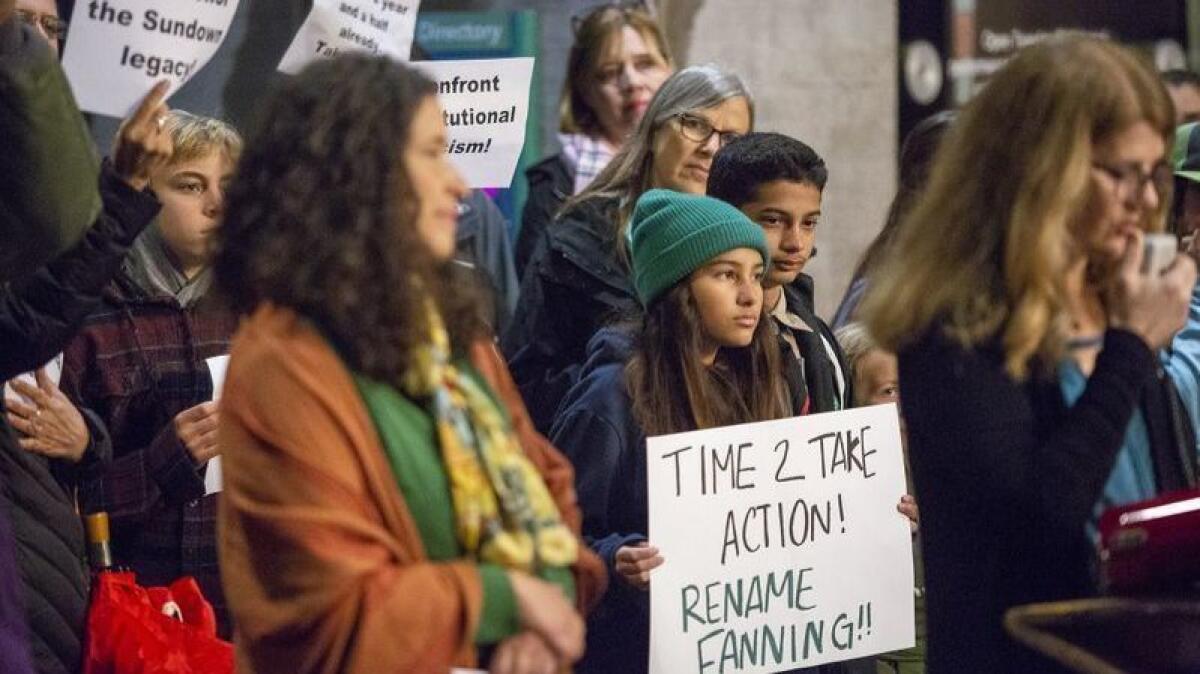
482, 247
140, 365
697, 266
39, 313
33, 227
48, 169
916, 156
617, 62
778, 182
578, 278
1026, 334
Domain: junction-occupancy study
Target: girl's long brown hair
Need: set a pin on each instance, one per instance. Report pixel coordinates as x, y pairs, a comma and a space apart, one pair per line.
674, 391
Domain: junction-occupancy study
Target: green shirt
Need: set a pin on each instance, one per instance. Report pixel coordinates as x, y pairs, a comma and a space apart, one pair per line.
407, 432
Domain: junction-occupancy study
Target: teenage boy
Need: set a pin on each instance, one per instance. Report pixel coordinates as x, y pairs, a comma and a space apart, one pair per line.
778, 182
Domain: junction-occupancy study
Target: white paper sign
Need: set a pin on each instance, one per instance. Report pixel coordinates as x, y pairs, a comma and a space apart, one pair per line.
118, 49
334, 26
485, 104
217, 367
782, 544
53, 370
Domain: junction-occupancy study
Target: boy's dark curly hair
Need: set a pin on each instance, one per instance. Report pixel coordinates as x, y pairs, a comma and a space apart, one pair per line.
321, 216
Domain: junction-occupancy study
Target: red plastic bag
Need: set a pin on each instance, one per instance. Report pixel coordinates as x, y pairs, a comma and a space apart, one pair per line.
137, 630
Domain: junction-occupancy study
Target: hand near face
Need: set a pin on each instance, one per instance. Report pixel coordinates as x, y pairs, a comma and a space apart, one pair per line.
142, 146
1152, 307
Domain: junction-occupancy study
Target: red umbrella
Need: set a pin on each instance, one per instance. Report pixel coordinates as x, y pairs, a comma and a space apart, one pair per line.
159, 630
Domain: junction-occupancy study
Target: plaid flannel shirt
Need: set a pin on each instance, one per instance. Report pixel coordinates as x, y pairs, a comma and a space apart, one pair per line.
137, 363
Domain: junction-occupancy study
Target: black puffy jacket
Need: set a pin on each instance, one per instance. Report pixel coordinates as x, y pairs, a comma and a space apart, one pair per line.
551, 182
574, 285
37, 317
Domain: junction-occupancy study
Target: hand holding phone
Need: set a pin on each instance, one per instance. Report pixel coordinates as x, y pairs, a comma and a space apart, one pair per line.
1158, 251
1148, 297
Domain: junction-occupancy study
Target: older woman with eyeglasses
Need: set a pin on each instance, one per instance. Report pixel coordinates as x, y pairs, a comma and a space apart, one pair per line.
618, 61
578, 279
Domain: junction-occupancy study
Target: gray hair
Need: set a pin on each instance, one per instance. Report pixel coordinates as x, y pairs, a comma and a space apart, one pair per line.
627, 175
856, 342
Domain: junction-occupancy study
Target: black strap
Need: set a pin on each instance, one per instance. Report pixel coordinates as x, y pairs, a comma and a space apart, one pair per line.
792, 373
1172, 437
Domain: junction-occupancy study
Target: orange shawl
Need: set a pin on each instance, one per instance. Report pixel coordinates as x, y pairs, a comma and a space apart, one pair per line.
322, 564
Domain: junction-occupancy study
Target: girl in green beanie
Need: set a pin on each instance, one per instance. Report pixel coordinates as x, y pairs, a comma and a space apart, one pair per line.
701, 358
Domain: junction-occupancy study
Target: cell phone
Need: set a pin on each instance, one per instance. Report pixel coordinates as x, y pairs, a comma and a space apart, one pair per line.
1158, 250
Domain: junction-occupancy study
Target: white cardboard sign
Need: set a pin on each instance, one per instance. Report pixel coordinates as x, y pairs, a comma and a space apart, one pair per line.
118, 49
217, 367
53, 370
485, 104
334, 26
783, 547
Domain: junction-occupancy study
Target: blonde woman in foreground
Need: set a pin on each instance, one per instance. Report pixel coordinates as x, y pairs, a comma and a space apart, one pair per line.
1026, 335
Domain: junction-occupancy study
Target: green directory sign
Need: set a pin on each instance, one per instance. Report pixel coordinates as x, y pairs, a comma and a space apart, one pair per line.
491, 35
466, 32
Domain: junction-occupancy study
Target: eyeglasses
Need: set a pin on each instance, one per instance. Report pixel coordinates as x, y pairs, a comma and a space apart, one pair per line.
54, 27
625, 8
697, 129
1130, 179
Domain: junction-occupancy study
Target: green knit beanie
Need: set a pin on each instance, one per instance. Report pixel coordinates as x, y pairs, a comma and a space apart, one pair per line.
672, 234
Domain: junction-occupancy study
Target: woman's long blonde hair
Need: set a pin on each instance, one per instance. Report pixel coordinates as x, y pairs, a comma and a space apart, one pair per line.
983, 254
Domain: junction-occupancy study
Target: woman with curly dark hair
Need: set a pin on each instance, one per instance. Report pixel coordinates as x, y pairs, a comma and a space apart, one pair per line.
412, 520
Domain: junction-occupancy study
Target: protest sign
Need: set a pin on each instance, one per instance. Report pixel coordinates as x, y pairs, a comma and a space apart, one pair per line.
214, 481
118, 49
782, 544
335, 26
485, 104
53, 370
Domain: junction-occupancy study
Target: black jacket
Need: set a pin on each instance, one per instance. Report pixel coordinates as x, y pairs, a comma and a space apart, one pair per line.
48, 165
37, 318
813, 383
1007, 476
573, 286
481, 246
598, 433
550, 184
